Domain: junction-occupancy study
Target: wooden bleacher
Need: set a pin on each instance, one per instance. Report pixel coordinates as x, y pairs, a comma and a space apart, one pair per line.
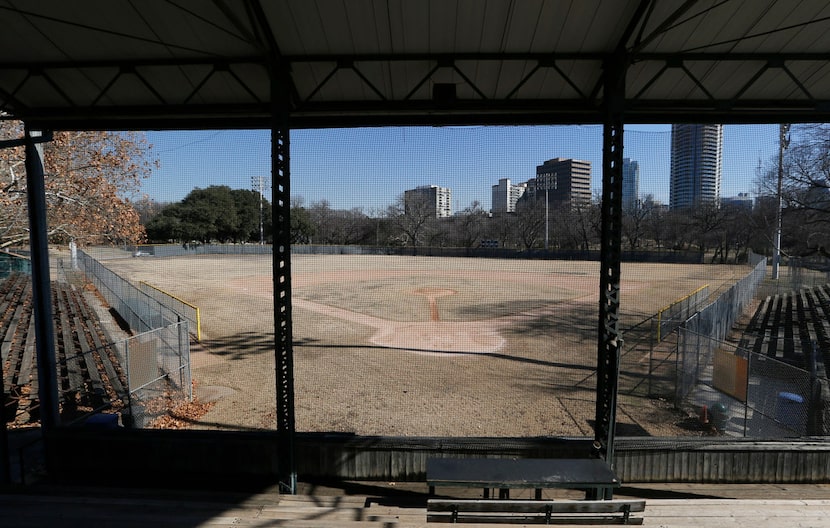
90, 377
786, 326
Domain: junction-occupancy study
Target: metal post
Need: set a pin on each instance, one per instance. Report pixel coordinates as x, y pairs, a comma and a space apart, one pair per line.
283, 340
746, 391
41, 289
5, 453
609, 342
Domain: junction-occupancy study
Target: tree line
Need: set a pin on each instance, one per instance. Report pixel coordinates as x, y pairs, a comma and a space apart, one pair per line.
724, 232
93, 178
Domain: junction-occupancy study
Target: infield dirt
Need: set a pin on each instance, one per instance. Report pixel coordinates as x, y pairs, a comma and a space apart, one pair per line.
418, 346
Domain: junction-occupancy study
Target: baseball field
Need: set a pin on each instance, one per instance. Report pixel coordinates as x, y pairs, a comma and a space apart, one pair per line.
418, 346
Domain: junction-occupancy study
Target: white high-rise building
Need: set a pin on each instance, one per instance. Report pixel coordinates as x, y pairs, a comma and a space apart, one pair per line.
505, 196
696, 152
438, 198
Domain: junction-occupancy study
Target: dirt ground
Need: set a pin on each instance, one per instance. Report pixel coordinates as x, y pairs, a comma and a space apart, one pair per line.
418, 346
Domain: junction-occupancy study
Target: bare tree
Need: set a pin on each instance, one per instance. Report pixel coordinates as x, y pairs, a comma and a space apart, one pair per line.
324, 219
90, 180
634, 226
805, 190
530, 222
470, 224
413, 218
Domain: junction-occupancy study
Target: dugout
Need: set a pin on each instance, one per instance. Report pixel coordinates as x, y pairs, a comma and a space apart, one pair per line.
256, 64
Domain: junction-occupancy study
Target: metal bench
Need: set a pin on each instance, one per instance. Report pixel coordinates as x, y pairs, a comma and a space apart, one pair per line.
592, 475
535, 511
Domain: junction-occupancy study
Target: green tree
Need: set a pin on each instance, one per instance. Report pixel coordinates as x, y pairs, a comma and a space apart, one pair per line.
216, 213
249, 212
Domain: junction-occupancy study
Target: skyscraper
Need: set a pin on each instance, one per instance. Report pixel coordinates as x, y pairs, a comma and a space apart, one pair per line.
695, 164
630, 184
564, 181
437, 199
505, 196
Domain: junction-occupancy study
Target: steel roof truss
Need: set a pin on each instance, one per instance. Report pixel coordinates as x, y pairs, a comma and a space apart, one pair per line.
697, 81
106, 88
12, 96
367, 81
147, 85
798, 83
322, 83
469, 82
568, 80
423, 81
524, 80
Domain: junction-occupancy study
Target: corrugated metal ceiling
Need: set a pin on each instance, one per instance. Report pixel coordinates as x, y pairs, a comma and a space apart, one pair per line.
357, 62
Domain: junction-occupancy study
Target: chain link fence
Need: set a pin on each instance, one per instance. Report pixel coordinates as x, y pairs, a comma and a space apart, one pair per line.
746, 394
139, 379
158, 373
10, 263
650, 363
198, 248
706, 329
188, 311
673, 315
138, 309
154, 364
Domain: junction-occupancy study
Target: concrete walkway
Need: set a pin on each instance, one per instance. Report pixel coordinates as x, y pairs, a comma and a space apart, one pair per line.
387, 505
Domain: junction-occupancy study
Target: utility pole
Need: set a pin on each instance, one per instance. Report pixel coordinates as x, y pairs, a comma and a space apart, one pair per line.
783, 143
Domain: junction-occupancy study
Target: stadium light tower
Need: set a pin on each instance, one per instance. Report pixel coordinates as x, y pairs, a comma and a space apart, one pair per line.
258, 184
783, 144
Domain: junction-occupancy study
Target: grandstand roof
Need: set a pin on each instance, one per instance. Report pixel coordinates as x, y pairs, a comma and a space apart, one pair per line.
235, 63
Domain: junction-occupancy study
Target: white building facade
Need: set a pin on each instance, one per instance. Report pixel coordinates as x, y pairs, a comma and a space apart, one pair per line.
438, 198
696, 152
505, 195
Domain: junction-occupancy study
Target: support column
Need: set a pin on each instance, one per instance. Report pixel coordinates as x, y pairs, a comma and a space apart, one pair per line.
41, 288
609, 337
283, 336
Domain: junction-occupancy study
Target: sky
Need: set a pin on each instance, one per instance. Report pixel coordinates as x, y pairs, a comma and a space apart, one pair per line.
368, 168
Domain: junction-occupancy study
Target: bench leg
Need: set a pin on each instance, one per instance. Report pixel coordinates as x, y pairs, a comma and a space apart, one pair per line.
599, 493
538, 494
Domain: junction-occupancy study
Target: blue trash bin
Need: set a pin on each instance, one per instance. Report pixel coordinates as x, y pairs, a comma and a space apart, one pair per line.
790, 410
102, 421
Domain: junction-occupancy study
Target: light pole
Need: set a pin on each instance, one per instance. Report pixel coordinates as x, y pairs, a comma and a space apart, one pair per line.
547, 227
783, 143
258, 184
547, 208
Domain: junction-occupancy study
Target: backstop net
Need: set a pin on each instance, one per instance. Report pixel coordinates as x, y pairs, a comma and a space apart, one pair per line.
444, 281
